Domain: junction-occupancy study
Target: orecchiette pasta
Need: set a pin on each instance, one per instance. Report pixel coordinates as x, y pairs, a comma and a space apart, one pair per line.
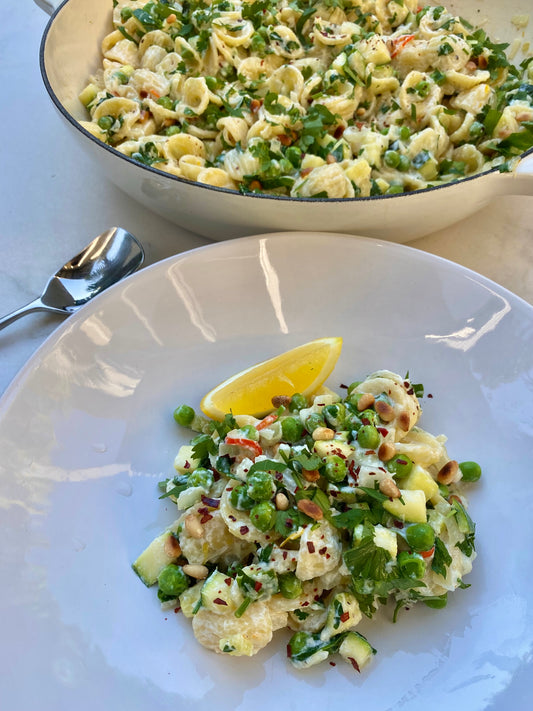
270, 83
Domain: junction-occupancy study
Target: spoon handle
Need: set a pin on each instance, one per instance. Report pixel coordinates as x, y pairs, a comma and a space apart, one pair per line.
36, 305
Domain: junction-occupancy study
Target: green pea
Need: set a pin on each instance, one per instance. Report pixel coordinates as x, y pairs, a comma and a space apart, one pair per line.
263, 515
239, 498
172, 130
126, 13
257, 44
313, 421
405, 133
172, 580
298, 642
212, 83
420, 536
411, 565
404, 164
400, 465
476, 129
294, 154
184, 415
368, 437
286, 166
290, 586
335, 469
292, 429
352, 386
201, 477
260, 486
369, 417
106, 122
437, 603
298, 401
121, 77
392, 159
471, 471
166, 102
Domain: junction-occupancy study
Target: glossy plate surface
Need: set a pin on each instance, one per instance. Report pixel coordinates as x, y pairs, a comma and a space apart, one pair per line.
86, 432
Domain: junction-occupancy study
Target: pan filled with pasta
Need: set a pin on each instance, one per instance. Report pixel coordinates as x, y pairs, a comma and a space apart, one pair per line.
386, 118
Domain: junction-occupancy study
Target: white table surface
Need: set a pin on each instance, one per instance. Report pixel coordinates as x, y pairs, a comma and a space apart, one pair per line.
53, 202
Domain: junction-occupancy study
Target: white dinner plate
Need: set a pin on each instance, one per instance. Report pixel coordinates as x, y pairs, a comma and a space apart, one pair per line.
86, 432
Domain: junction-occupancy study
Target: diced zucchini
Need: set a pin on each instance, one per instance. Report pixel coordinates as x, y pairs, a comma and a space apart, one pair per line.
185, 463
88, 94
343, 614
386, 539
220, 593
413, 508
189, 598
162, 550
325, 447
420, 478
357, 650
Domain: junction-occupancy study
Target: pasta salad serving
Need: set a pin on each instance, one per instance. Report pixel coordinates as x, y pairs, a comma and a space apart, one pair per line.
310, 519
329, 99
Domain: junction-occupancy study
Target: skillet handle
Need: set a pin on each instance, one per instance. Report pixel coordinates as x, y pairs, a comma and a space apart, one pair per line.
49, 6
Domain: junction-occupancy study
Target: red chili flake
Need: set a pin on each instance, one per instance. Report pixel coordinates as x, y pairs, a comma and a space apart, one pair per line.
410, 391
177, 609
288, 650
243, 530
337, 134
343, 386
406, 384
430, 395
332, 664
355, 665
288, 522
398, 524
203, 510
212, 503
232, 517
353, 471
304, 604
187, 464
401, 461
219, 601
310, 546
345, 617
285, 555
278, 476
323, 550
258, 586
365, 420
228, 581
205, 518
328, 555
382, 431
369, 451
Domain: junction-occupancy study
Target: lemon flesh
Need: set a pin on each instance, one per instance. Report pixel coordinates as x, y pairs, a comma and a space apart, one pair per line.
299, 370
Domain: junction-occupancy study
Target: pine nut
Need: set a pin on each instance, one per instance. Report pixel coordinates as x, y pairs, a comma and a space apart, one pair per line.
448, 472
323, 433
384, 410
281, 401
389, 488
193, 526
404, 421
311, 475
365, 401
172, 546
386, 451
282, 502
199, 572
309, 508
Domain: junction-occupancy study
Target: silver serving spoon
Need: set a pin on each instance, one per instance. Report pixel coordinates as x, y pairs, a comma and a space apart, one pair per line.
110, 257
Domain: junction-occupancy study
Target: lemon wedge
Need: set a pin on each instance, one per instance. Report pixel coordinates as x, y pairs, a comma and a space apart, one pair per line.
300, 370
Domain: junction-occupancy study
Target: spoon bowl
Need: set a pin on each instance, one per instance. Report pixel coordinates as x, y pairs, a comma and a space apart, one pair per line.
109, 258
